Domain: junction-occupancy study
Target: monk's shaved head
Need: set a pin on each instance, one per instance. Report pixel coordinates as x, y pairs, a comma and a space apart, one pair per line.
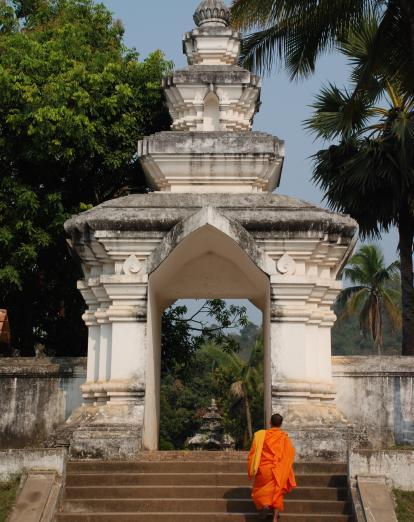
276, 420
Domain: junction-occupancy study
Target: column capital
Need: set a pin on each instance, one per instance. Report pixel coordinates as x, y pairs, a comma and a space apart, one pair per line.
123, 312
89, 317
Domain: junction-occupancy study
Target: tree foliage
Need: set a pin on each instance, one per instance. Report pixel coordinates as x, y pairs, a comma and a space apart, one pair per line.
182, 334
369, 173
297, 32
73, 103
197, 376
371, 294
243, 379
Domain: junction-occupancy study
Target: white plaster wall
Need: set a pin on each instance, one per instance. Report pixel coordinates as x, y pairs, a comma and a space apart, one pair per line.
128, 357
37, 395
396, 465
105, 344
94, 333
14, 462
378, 394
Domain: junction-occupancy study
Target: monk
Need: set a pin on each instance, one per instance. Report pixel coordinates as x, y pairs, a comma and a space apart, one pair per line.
270, 465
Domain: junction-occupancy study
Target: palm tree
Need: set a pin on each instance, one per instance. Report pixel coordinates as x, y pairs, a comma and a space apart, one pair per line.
298, 31
247, 376
372, 294
369, 174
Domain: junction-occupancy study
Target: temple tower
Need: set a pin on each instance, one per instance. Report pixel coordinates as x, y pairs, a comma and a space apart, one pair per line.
212, 228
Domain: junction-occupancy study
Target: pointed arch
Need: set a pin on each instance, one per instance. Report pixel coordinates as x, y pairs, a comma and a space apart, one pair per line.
211, 119
208, 216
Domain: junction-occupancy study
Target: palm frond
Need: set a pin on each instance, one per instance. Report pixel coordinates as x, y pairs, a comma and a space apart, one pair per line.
222, 358
354, 303
392, 310
261, 49
346, 294
237, 390
302, 28
338, 113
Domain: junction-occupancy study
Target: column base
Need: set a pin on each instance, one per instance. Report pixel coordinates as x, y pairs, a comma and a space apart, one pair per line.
320, 432
111, 431
108, 432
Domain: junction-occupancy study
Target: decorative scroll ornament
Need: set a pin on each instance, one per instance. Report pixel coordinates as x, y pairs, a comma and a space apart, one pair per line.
132, 265
286, 265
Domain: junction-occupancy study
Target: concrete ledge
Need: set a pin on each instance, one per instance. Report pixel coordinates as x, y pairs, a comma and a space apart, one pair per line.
16, 462
43, 367
396, 465
376, 499
372, 366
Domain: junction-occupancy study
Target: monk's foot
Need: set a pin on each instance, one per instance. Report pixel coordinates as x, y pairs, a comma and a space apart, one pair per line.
265, 512
276, 515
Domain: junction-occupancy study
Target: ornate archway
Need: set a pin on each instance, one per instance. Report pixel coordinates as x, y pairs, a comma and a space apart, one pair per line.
212, 227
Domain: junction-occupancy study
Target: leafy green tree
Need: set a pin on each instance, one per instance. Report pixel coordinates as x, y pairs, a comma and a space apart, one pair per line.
182, 335
184, 399
371, 295
348, 339
369, 174
191, 376
246, 377
298, 31
73, 103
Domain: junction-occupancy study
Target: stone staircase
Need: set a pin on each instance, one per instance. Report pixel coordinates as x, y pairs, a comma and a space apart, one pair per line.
190, 487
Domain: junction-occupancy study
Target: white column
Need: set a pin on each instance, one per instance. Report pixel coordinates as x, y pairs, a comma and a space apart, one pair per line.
105, 342
94, 333
92, 368
128, 319
300, 352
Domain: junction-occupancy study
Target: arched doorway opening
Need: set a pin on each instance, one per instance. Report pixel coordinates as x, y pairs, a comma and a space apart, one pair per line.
206, 264
211, 349
211, 112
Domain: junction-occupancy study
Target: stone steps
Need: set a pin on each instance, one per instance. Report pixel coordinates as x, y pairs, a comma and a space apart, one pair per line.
202, 479
208, 488
206, 466
200, 492
195, 517
194, 505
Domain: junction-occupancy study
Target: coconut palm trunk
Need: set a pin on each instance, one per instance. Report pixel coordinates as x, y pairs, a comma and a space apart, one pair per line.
377, 326
406, 238
248, 414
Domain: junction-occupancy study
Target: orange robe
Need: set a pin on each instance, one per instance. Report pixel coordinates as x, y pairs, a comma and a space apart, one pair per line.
275, 476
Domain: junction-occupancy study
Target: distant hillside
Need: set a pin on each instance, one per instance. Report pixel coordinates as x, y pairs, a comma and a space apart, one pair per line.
347, 339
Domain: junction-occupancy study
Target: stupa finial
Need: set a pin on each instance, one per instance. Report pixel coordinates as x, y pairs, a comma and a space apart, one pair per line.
212, 12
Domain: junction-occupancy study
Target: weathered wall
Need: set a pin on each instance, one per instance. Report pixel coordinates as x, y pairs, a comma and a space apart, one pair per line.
377, 393
38, 394
35, 396
16, 461
396, 465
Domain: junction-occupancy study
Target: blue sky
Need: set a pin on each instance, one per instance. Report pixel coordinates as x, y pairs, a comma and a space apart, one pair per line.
159, 24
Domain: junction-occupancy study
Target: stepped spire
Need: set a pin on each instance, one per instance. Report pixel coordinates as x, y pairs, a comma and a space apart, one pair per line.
212, 12
212, 103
